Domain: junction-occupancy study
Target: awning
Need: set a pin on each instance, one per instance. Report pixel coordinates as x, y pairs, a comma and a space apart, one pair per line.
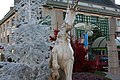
101, 44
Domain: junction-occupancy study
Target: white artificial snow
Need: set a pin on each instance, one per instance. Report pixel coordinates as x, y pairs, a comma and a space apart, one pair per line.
15, 71
29, 50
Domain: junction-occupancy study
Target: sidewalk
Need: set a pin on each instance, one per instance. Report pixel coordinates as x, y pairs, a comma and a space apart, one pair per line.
112, 76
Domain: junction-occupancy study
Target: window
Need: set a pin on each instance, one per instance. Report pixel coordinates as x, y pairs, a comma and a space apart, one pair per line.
7, 38
7, 24
4, 40
102, 23
1, 40
118, 22
13, 20
4, 28
0, 30
79, 33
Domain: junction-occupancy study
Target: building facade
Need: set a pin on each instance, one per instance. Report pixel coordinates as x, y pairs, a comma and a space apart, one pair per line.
6, 25
104, 14
90, 11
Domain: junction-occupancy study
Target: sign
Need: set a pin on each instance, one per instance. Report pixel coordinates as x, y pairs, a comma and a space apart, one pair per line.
86, 39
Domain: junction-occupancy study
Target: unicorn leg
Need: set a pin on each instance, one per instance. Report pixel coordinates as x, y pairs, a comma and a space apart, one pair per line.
55, 59
69, 69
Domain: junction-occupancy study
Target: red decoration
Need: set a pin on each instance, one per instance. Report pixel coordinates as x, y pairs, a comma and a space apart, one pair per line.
80, 63
53, 38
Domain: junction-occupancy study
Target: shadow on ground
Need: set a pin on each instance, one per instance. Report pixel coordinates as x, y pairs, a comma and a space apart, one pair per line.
88, 76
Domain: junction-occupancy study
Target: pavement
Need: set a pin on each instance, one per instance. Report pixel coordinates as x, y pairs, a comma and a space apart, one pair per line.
113, 77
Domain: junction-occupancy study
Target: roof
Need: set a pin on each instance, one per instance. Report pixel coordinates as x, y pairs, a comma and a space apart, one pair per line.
101, 43
118, 6
108, 3
99, 7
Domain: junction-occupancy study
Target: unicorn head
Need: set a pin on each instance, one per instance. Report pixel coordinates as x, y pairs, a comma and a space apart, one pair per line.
70, 16
70, 13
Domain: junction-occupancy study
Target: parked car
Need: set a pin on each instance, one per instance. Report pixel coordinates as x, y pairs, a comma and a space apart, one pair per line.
102, 62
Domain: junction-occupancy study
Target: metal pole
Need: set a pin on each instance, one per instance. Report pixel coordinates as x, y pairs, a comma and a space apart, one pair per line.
29, 10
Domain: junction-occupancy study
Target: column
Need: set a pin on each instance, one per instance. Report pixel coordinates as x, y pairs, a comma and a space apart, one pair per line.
113, 64
57, 18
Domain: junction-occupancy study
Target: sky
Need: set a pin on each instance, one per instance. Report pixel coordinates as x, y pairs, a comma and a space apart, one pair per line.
5, 6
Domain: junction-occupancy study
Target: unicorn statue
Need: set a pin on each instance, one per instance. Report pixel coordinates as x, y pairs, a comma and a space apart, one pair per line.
62, 57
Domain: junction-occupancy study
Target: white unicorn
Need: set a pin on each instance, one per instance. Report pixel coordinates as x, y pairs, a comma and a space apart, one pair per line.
62, 53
